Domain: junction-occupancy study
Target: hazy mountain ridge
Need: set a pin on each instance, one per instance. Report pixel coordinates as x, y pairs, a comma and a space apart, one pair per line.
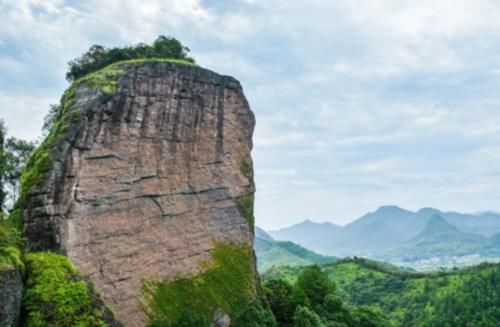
402, 236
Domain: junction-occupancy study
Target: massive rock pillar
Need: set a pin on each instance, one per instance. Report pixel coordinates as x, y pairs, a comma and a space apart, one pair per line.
148, 167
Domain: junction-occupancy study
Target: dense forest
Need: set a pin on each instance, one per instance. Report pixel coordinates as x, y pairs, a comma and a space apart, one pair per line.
312, 301
467, 297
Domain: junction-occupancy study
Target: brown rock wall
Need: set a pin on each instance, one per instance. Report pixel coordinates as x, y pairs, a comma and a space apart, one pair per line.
147, 179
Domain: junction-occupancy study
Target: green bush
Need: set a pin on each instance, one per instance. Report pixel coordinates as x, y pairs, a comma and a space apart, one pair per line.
10, 247
278, 293
315, 284
306, 318
255, 315
55, 295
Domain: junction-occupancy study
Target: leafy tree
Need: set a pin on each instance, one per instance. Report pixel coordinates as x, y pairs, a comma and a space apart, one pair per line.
366, 317
256, 315
278, 293
333, 311
299, 298
15, 155
315, 284
306, 318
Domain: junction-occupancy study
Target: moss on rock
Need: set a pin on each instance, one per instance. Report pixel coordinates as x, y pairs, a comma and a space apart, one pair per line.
226, 284
245, 206
105, 79
10, 247
246, 168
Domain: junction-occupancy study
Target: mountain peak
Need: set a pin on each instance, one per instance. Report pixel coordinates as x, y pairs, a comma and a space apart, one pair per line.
262, 234
438, 221
438, 226
428, 211
390, 209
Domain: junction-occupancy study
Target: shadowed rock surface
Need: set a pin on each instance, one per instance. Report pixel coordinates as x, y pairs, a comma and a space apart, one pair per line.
146, 180
11, 294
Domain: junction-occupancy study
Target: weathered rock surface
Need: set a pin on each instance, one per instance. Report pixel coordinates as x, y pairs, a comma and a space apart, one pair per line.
11, 294
147, 180
221, 319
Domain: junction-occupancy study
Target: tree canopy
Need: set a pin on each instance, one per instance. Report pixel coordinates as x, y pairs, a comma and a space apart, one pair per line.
13, 156
312, 302
99, 56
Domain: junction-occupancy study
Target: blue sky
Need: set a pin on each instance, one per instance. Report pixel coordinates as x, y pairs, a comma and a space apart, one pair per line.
359, 103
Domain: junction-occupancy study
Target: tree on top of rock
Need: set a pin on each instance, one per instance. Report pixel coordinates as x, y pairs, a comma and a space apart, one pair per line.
98, 56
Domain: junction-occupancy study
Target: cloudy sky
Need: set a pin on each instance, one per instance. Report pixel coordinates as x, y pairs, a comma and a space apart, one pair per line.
358, 103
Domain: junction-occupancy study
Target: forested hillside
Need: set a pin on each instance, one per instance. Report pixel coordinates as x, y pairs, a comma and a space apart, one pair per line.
468, 297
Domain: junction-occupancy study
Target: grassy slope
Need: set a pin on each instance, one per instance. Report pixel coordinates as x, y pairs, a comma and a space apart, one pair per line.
413, 298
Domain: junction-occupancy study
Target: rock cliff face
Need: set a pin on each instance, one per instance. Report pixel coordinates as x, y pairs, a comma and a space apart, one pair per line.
152, 170
11, 294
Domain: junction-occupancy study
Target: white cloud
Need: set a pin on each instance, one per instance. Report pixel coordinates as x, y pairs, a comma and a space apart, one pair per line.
24, 113
359, 103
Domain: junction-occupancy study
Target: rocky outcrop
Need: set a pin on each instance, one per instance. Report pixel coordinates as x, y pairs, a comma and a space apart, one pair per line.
221, 319
145, 179
11, 294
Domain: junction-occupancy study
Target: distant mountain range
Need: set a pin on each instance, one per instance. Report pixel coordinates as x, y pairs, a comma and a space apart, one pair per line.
397, 235
283, 253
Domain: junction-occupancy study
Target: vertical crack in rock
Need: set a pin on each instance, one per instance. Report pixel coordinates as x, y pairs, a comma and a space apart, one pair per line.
146, 180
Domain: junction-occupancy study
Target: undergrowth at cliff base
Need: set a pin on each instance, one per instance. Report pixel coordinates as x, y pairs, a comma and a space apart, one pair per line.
56, 296
226, 284
10, 247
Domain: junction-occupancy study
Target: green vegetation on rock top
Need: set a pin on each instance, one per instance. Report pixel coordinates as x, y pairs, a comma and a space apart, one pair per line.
226, 284
97, 57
